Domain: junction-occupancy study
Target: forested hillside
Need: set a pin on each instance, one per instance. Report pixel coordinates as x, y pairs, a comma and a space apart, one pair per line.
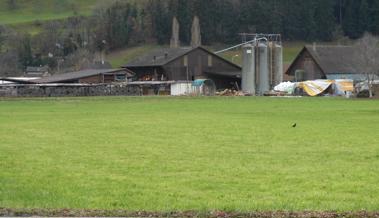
295, 19
72, 32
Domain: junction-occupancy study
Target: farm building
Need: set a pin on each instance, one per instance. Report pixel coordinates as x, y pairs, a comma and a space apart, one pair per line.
185, 64
98, 76
326, 62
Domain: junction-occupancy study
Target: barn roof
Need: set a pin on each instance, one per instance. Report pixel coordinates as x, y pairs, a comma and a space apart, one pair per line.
331, 59
158, 57
161, 57
65, 77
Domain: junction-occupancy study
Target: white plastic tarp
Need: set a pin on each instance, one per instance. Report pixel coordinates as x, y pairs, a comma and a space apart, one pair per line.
287, 87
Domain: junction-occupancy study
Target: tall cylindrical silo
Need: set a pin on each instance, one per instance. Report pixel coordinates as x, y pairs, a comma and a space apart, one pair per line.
248, 69
264, 69
278, 64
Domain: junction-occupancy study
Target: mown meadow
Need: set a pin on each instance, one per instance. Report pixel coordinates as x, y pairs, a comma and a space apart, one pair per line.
203, 154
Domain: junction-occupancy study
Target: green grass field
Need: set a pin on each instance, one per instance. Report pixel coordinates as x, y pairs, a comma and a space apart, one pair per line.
28, 11
121, 57
164, 154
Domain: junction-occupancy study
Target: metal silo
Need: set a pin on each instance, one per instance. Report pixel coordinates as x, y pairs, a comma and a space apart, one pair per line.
264, 69
248, 69
278, 64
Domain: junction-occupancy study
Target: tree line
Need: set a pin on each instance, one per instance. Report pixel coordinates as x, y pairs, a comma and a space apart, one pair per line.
222, 20
72, 42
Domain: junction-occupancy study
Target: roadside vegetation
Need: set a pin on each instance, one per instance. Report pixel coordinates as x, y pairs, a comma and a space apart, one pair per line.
203, 154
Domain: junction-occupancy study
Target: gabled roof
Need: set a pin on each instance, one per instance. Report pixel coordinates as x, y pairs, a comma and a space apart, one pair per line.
331, 59
158, 57
66, 77
161, 57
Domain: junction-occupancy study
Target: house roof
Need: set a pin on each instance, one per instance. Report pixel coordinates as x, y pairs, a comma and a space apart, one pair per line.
161, 57
331, 59
59, 78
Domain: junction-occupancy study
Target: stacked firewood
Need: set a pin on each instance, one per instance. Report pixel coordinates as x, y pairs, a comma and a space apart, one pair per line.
230, 92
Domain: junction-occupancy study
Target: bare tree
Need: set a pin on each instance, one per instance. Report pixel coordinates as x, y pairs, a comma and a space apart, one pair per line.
367, 56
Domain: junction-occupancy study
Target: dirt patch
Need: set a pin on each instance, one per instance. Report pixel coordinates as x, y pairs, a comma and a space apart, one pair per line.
186, 214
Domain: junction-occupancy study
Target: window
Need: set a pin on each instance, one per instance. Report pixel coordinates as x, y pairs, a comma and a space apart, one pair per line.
185, 61
299, 75
120, 77
210, 61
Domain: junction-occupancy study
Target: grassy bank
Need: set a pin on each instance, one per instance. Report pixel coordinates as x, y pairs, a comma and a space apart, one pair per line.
165, 154
29, 11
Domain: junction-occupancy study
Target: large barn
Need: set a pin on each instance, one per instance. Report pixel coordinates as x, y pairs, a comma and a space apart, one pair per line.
326, 62
185, 64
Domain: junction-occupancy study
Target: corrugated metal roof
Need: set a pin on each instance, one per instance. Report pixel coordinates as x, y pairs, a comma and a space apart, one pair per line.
59, 78
335, 59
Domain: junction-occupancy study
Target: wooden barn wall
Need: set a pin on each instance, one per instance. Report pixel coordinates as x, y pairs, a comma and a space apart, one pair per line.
109, 78
92, 79
307, 63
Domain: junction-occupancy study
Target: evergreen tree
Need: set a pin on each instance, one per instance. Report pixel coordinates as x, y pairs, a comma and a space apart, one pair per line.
350, 21
276, 21
374, 17
24, 51
185, 20
363, 18
161, 20
207, 13
325, 21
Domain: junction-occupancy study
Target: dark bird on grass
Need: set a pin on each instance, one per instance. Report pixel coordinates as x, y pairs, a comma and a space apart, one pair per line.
294, 125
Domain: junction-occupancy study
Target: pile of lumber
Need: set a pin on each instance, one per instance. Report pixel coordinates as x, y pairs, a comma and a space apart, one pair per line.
230, 92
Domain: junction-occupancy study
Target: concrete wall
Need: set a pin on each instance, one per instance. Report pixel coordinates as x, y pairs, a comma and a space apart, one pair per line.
69, 90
